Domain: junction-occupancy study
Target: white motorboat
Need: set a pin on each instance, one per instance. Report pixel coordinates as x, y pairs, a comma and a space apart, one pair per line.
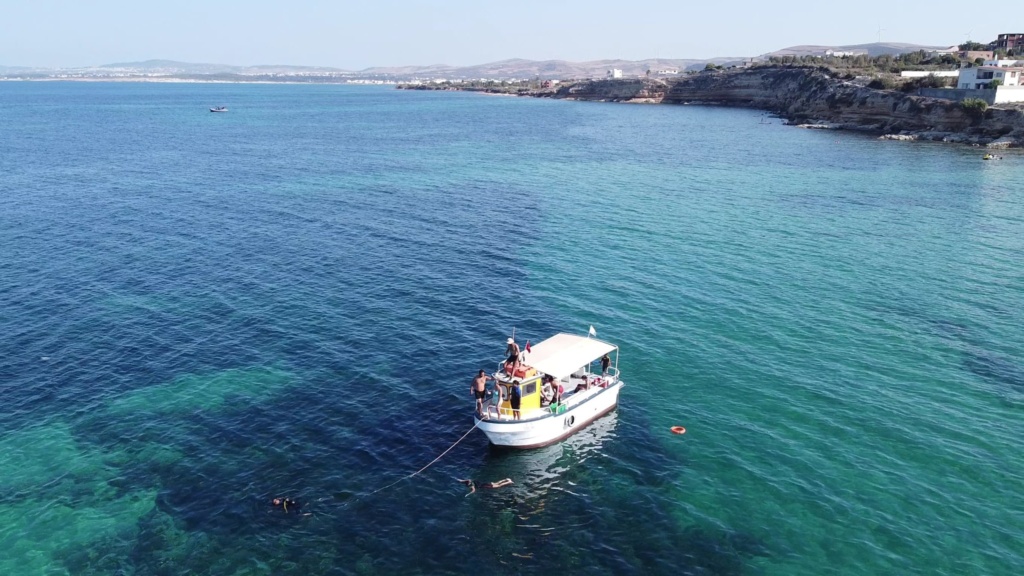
219, 109
559, 394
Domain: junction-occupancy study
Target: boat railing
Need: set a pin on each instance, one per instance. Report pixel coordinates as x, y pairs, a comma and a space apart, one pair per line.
492, 406
495, 411
612, 371
570, 398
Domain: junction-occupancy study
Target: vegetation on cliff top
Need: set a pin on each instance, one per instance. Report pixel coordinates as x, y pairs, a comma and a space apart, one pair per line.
974, 107
862, 63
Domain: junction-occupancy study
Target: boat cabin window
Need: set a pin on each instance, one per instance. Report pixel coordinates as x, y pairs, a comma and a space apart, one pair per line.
530, 388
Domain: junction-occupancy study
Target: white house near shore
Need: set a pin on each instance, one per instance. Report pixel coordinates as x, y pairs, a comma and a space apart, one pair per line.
1007, 72
976, 82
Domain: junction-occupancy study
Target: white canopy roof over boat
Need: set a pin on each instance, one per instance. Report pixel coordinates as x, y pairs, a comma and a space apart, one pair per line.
563, 354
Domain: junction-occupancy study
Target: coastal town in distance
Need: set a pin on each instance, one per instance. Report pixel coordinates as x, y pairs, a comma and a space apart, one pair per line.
970, 93
939, 61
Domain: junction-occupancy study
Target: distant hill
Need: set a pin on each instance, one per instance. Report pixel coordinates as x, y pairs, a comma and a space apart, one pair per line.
516, 68
174, 67
550, 69
872, 49
14, 69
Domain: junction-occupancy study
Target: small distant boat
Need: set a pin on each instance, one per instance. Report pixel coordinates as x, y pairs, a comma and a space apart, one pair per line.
548, 415
219, 109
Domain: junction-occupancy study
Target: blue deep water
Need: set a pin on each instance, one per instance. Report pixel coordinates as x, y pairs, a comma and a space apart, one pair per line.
200, 312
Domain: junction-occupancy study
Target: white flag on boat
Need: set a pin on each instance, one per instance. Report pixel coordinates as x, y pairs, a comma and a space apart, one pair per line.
592, 331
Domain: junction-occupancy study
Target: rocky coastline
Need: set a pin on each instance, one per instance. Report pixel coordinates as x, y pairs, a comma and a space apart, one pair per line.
812, 98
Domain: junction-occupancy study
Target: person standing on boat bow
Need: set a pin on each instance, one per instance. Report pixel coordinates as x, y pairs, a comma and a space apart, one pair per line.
478, 388
605, 363
512, 351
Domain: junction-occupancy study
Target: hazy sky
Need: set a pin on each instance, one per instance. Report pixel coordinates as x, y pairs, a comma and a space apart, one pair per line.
360, 34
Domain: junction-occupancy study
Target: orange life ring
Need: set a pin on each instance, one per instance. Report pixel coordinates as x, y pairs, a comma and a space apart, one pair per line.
678, 430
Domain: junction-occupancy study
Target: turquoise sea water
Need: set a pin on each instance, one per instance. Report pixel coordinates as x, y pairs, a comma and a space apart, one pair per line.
200, 312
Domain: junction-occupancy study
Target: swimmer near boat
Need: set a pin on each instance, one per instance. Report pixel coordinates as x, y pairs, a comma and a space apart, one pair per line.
499, 484
286, 504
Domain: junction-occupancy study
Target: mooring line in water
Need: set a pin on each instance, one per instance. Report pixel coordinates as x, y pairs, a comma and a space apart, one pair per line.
431, 463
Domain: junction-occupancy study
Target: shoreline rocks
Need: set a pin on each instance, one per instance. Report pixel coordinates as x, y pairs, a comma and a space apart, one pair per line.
814, 98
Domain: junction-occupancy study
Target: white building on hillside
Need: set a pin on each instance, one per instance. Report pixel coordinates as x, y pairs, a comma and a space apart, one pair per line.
926, 73
845, 53
615, 73
1007, 72
941, 51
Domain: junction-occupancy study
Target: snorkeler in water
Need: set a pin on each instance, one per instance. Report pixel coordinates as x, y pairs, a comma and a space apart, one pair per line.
286, 503
499, 484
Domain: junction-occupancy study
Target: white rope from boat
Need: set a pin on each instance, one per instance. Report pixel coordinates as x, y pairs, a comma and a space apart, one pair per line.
431, 463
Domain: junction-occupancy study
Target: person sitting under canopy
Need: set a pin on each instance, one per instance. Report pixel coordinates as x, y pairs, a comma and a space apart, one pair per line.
547, 391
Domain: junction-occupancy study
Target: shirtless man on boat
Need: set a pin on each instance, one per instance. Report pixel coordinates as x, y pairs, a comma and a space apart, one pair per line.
479, 389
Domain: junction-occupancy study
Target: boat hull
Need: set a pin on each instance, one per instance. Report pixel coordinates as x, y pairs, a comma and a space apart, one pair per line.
550, 428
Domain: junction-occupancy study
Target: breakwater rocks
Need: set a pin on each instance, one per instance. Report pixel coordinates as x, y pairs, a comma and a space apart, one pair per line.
814, 97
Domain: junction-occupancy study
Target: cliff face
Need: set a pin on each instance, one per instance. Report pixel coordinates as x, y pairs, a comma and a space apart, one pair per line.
635, 90
813, 96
